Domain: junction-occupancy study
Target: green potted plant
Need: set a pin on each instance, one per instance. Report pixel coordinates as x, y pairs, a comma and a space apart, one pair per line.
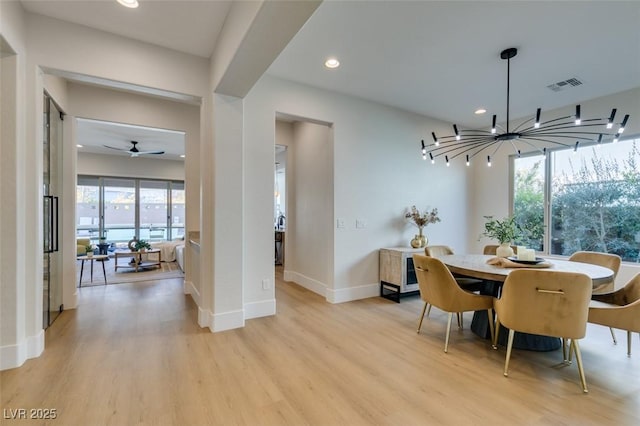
141, 245
505, 231
89, 250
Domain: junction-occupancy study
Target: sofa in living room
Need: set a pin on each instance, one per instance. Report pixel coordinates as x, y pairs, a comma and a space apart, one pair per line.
171, 251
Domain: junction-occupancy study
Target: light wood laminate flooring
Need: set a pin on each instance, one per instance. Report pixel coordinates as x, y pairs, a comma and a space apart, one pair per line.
133, 354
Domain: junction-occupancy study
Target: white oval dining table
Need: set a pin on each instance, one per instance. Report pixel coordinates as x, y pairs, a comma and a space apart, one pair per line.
475, 266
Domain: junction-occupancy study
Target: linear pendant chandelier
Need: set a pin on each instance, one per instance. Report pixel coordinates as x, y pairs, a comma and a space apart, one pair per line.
568, 131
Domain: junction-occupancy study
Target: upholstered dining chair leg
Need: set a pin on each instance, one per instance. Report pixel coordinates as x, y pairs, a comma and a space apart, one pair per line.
495, 334
628, 343
460, 320
613, 336
424, 308
576, 348
564, 351
428, 309
446, 340
509, 346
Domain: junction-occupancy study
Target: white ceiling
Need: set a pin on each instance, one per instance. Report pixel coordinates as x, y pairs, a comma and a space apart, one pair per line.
94, 134
439, 59
188, 26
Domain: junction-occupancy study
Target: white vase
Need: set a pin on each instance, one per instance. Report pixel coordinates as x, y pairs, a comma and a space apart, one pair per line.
504, 250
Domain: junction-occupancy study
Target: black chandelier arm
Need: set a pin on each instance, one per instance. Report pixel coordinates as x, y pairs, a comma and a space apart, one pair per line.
560, 126
462, 133
565, 135
552, 132
459, 145
482, 148
548, 141
537, 148
523, 123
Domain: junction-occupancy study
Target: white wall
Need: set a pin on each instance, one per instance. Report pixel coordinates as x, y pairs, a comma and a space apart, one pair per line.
18, 341
310, 220
490, 186
121, 166
377, 173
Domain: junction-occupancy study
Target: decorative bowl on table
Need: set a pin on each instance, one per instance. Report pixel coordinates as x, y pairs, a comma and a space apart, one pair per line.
526, 262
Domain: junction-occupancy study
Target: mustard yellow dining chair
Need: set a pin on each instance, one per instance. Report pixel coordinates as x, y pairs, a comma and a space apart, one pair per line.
439, 288
548, 303
468, 284
607, 260
620, 309
491, 249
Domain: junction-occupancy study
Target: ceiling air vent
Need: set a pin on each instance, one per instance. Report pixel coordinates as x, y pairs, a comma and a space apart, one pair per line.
565, 84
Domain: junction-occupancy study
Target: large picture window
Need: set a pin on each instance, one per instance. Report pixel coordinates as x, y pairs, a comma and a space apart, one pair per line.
581, 200
120, 208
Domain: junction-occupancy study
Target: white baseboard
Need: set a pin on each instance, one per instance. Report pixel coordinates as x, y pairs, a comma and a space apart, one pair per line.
191, 289
260, 309
340, 295
222, 321
13, 356
349, 294
306, 282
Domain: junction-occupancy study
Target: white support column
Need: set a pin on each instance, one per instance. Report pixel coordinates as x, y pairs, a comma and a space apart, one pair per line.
228, 219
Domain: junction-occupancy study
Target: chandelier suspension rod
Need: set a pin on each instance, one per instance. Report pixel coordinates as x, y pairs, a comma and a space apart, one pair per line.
508, 88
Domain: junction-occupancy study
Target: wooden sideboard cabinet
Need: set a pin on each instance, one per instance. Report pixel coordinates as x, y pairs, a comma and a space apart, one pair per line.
397, 273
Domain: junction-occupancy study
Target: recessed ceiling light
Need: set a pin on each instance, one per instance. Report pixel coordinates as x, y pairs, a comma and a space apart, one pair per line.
481, 111
182, 156
80, 146
129, 3
332, 63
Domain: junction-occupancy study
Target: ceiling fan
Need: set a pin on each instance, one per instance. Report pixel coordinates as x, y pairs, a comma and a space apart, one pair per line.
134, 151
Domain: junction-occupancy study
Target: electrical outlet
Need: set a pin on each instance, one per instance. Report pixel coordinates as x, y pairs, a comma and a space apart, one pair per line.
340, 223
361, 223
266, 284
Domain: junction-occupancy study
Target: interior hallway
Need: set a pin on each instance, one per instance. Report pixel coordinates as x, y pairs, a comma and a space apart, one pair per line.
133, 354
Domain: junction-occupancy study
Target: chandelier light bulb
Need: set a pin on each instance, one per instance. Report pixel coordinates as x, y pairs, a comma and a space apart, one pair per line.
424, 148
435, 139
468, 162
615, 138
493, 125
488, 161
447, 160
611, 118
578, 115
623, 124
433, 160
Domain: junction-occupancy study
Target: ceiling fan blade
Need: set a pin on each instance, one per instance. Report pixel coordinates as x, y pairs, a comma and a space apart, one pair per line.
150, 152
117, 149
